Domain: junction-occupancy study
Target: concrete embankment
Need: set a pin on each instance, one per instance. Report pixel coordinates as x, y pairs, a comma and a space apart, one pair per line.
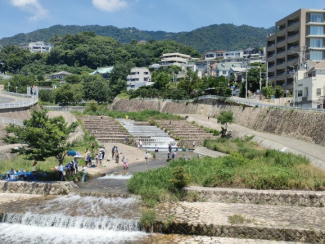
38, 188
308, 126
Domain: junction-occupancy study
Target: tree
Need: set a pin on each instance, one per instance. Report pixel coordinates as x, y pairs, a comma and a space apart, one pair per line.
278, 92
224, 118
96, 88
64, 94
267, 92
45, 137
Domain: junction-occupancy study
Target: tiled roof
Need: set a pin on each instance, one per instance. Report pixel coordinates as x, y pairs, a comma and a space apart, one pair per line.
61, 73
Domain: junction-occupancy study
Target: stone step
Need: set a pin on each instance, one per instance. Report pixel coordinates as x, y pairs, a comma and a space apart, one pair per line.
252, 221
186, 239
251, 196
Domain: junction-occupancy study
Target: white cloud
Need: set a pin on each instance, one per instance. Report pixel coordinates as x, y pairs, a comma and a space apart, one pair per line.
109, 5
32, 6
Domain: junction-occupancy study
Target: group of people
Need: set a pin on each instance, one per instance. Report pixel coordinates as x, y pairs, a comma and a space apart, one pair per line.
14, 175
116, 157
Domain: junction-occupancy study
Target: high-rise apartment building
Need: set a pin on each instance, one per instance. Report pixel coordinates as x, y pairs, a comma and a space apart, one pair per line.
298, 37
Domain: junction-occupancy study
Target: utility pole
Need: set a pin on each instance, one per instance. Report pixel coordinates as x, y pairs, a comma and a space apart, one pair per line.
260, 83
246, 84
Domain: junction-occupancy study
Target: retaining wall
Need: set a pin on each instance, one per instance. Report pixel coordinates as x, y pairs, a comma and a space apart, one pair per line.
41, 188
308, 126
241, 231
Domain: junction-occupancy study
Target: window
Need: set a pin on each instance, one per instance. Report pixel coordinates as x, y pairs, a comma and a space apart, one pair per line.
319, 91
300, 93
145, 73
316, 17
316, 42
316, 30
316, 55
224, 72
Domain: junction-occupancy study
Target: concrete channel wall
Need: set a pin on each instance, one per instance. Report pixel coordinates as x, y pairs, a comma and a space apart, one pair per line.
40, 188
308, 126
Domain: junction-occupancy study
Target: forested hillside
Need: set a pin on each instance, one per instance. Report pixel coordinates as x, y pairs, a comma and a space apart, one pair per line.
213, 37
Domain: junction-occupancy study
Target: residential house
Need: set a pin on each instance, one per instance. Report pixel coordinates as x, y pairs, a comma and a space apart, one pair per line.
138, 77
309, 89
40, 46
213, 55
59, 75
103, 71
179, 59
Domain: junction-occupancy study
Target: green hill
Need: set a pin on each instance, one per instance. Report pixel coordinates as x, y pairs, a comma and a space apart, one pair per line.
213, 37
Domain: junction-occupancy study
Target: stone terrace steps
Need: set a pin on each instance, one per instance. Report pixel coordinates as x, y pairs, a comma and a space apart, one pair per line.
252, 196
252, 221
106, 129
187, 132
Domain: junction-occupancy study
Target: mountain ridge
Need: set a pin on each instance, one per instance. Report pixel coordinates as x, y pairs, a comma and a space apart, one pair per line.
207, 38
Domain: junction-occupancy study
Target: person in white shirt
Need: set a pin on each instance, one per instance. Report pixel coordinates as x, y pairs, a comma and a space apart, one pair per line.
61, 169
146, 156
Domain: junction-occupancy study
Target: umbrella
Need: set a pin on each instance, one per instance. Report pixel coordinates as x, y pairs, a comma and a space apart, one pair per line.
78, 155
71, 153
102, 150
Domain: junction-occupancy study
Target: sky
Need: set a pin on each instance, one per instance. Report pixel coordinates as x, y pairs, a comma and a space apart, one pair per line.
24, 16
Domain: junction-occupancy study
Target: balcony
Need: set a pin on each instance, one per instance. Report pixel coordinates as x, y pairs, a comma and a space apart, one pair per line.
281, 54
271, 47
293, 25
281, 65
271, 58
293, 37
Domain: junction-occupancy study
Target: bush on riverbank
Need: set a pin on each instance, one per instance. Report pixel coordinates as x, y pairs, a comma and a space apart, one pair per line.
248, 166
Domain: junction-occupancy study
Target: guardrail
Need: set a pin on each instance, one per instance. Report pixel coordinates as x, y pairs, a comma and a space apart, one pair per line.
5, 120
65, 108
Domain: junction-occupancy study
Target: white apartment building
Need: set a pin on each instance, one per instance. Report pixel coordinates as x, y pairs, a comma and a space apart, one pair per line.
138, 77
40, 46
309, 89
233, 54
179, 59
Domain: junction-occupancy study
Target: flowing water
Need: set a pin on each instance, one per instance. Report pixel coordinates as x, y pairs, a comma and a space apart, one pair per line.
73, 219
151, 136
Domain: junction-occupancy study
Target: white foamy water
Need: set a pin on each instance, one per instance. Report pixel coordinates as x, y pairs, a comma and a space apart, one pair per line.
89, 206
116, 177
18, 233
64, 221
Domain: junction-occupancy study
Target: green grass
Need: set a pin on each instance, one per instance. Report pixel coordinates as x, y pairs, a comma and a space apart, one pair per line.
248, 166
144, 115
123, 95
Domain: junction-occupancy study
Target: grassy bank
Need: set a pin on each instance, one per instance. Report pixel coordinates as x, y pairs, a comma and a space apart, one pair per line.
247, 166
144, 115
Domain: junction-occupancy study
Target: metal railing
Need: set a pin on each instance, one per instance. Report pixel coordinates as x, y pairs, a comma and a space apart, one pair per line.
65, 108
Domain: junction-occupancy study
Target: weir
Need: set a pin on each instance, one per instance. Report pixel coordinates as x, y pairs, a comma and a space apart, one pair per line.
74, 219
151, 136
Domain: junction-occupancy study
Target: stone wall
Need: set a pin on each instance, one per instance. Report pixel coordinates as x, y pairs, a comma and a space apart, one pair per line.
250, 196
308, 126
42, 188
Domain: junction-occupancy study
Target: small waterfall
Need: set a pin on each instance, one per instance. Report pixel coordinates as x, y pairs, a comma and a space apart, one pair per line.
74, 219
151, 136
78, 222
116, 177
